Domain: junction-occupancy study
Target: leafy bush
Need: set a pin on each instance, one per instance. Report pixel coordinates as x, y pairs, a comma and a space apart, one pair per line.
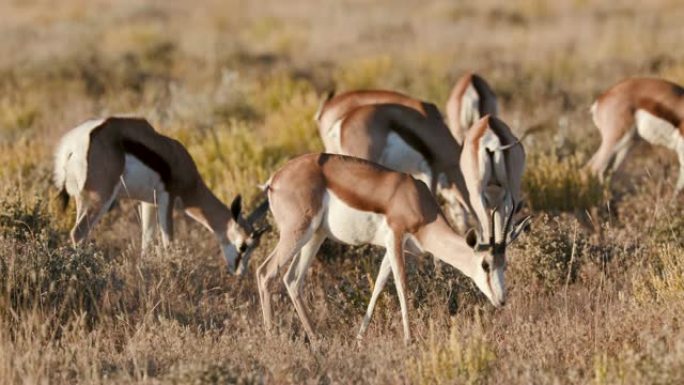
550, 255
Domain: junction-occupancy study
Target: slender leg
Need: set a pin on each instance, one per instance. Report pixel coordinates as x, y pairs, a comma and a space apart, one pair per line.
601, 159
615, 136
380, 281
396, 253
90, 207
165, 213
621, 149
620, 155
294, 277
680, 154
148, 213
288, 246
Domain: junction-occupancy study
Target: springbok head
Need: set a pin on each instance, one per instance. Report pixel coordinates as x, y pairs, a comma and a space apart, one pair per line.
489, 277
242, 236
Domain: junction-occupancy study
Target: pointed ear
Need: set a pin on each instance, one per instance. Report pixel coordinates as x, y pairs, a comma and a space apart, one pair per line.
236, 207
522, 225
471, 238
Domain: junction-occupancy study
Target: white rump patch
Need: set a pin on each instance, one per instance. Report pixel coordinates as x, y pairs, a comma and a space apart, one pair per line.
656, 130
71, 157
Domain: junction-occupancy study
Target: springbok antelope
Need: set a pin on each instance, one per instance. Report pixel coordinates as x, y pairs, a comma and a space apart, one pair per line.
102, 160
470, 99
652, 109
334, 107
493, 161
401, 138
354, 201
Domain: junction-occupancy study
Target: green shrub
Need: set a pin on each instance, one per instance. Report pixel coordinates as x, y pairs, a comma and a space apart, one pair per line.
36, 272
550, 255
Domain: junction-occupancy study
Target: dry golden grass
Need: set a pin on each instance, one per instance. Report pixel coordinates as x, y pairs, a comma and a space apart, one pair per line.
237, 82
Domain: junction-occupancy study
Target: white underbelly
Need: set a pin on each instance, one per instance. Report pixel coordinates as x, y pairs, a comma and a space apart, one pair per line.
140, 182
346, 224
399, 155
656, 130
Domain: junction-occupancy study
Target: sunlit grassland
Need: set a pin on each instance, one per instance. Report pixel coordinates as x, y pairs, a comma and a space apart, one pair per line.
596, 286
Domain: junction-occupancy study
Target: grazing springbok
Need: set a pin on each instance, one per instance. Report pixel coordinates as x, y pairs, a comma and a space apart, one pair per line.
493, 162
470, 99
354, 201
334, 107
401, 138
652, 109
118, 157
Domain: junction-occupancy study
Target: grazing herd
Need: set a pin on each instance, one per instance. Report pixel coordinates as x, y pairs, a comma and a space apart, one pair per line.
389, 158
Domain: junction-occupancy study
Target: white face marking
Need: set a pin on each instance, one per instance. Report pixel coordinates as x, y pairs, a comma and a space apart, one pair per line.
492, 186
140, 182
230, 253
243, 245
656, 130
490, 283
235, 234
470, 107
351, 226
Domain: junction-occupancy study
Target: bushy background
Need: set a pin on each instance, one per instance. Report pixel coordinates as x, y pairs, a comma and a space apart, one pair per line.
596, 287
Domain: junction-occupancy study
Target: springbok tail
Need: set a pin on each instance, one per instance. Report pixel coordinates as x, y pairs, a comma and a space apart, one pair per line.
594, 110
329, 95
266, 185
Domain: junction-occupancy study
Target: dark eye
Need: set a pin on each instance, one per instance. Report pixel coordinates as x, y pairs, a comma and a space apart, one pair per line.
485, 266
243, 248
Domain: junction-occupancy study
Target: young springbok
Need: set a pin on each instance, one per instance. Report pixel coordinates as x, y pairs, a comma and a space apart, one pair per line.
493, 162
354, 201
102, 160
402, 139
652, 109
470, 99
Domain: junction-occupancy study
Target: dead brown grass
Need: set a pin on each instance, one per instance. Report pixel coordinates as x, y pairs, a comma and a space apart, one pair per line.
237, 82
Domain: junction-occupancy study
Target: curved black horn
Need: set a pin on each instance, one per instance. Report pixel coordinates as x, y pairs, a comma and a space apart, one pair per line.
492, 237
259, 213
507, 227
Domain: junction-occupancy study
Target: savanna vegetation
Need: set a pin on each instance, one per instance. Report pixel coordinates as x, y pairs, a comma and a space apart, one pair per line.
596, 288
